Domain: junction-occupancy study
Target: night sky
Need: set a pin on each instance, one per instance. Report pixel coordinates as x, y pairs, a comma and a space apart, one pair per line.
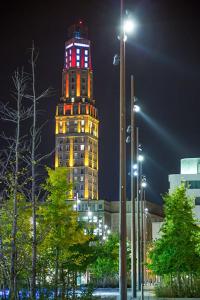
164, 56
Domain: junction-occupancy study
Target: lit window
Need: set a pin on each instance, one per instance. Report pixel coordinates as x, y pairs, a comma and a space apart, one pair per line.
72, 99
70, 51
82, 122
78, 51
75, 122
82, 147
82, 129
86, 65
86, 58
86, 52
83, 99
78, 64
81, 178
77, 57
75, 178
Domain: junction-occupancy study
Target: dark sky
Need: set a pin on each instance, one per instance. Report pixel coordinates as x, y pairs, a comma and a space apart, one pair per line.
164, 56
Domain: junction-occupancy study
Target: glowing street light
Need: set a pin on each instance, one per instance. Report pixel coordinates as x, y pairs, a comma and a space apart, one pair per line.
144, 182
136, 108
135, 167
129, 25
140, 158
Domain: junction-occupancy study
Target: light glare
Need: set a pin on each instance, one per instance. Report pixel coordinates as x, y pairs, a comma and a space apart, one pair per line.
140, 158
129, 26
136, 108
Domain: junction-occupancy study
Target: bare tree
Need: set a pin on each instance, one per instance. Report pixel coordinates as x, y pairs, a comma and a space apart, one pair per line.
15, 116
35, 159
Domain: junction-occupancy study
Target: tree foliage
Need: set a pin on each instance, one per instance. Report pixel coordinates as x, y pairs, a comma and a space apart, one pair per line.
177, 249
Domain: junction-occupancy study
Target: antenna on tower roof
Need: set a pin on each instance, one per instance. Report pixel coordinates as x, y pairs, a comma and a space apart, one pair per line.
78, 30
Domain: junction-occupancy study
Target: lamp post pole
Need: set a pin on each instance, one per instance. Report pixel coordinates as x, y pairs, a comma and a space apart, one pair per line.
133, 194
138, 211
122, 167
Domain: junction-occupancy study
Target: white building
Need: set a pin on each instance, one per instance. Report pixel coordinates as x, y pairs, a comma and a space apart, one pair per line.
190, 175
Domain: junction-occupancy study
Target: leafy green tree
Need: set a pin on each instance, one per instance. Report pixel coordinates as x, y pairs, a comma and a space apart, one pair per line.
176, 253
61, 227
23, 241
106, 267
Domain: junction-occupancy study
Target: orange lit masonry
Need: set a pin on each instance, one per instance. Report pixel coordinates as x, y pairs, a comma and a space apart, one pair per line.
88, 84
78, 84
67, 85
67, 107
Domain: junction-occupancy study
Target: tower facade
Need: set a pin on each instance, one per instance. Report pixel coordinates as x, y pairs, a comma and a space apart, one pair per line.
77, 117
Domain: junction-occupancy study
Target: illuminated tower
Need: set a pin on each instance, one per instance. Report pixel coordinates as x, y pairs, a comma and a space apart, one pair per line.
76, 117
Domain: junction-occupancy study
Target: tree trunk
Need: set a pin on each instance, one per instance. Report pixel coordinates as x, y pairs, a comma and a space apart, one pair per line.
13, 288
56, 273
33, 197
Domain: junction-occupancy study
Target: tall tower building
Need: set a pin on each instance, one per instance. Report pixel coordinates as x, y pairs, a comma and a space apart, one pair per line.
77, 117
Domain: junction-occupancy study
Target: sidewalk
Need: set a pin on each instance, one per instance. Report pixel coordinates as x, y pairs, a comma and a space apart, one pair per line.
113, 293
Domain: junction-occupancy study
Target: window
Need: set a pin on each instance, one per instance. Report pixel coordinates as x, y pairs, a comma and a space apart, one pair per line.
82, 122
197, 201
75, 170
86, 65
72, 99
86, 52
100, 206
82, 129
82, 147
86, 58
77, 57
76, 155
82, 178
75, 178
78, 64
193, 184
82, 171
78, 51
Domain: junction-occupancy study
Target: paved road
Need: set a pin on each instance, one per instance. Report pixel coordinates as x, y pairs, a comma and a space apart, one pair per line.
114, 294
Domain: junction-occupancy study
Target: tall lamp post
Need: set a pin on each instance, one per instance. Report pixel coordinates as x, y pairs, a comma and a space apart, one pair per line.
126, 26
122, 167
143, 186
133, 192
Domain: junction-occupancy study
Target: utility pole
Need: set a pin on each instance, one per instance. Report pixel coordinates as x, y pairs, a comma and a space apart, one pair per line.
133, 193
122, 167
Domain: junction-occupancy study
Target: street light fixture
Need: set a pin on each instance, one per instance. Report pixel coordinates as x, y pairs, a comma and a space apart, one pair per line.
129, 25
140, 158
122, 159
136, 108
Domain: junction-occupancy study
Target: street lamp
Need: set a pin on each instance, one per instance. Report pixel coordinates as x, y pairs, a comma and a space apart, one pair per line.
143, 186
125, 28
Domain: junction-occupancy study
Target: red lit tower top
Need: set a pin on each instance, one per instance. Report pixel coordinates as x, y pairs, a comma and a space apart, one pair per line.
77, 72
